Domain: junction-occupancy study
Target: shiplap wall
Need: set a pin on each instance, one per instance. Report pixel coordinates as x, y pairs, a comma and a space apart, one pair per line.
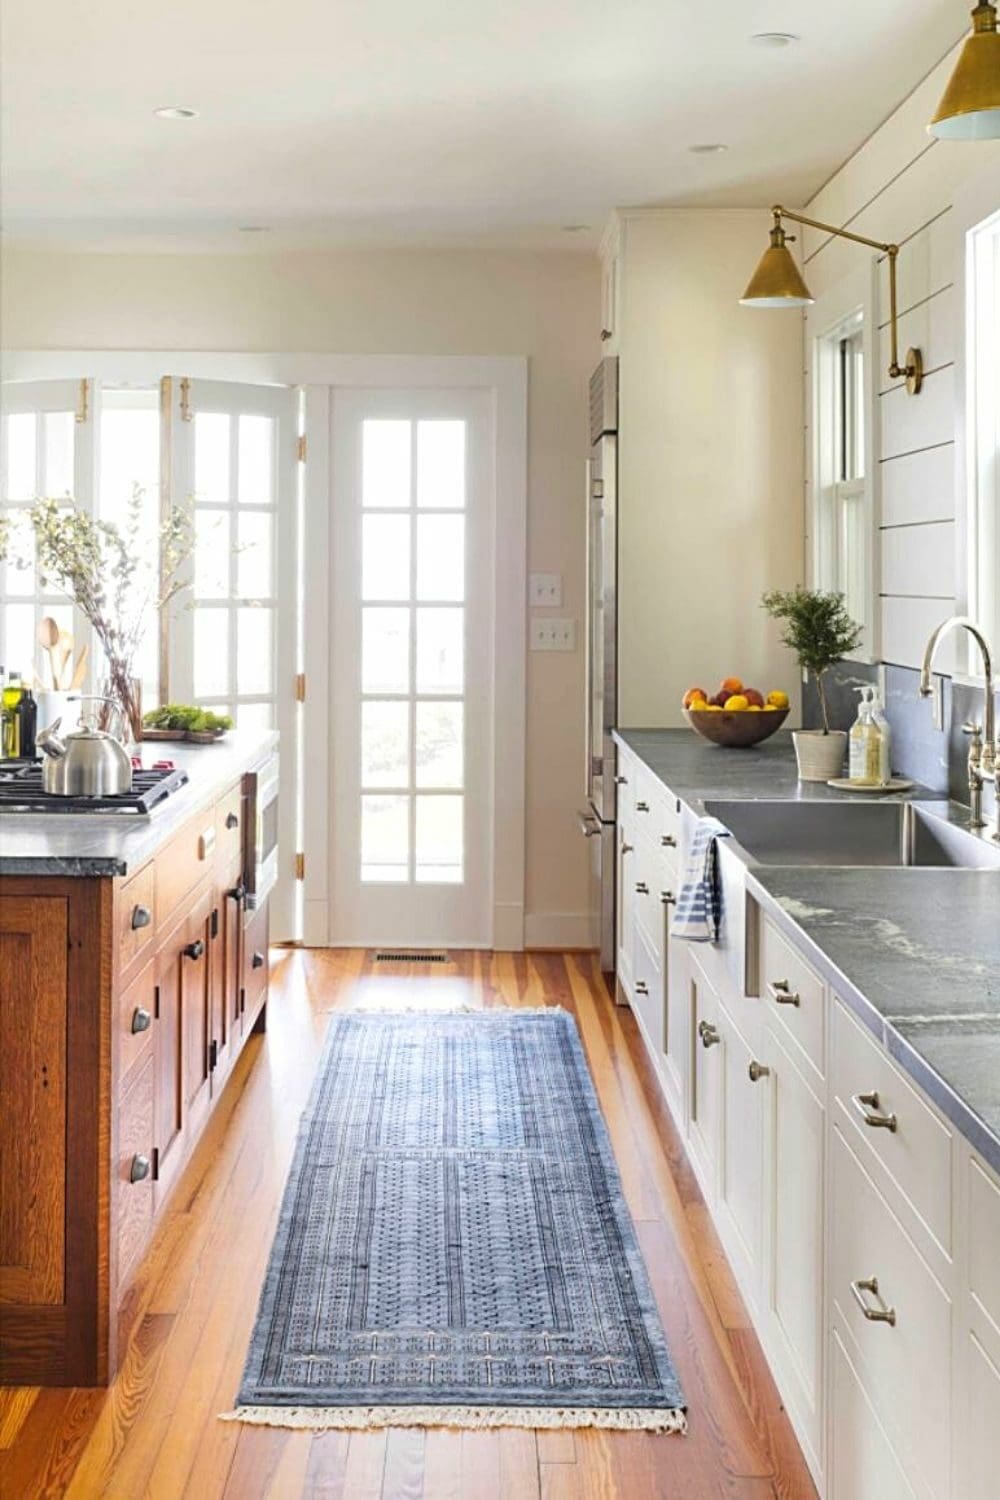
900, 186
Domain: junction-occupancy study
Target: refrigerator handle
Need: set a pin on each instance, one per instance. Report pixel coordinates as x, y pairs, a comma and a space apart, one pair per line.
588, 721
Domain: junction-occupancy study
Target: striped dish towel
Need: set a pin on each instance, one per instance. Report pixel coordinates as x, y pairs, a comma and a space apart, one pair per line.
698, 913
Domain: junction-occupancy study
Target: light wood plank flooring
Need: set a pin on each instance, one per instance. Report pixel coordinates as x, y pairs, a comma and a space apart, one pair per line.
154, 1432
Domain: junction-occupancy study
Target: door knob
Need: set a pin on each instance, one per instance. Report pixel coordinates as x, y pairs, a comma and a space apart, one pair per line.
195, 949
757, 1071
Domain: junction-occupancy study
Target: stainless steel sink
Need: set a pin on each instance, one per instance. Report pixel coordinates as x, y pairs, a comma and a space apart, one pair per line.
855, 833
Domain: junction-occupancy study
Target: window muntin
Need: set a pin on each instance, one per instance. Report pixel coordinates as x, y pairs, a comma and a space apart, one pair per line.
983, 424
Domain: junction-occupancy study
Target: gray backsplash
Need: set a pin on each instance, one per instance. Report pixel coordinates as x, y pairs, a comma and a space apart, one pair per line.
935, 757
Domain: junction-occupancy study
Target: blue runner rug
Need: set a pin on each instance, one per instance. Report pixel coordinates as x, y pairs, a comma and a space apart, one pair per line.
454, 1247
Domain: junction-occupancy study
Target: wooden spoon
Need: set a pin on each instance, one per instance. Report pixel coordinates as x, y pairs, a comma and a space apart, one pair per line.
48, 637
80, 670
65, 656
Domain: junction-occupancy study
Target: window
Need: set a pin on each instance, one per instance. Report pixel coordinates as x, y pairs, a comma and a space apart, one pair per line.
843, 507
983, 422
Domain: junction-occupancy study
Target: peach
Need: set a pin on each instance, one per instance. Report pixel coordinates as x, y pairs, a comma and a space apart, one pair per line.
731, 685
755, 699
692, 694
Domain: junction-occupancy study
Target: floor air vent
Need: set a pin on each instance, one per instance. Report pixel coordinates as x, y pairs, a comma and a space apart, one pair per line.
411, 958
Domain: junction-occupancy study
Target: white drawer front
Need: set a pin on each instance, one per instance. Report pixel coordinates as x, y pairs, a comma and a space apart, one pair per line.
656, 810
906, 1363
917, 1152
984, 1242
863, 1465
793, 992
648, 998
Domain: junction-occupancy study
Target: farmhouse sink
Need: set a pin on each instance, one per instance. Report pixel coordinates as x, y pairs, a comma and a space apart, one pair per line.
856, 833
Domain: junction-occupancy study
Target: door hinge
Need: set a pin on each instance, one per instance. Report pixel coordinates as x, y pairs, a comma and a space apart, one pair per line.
300, 866
155, 1174
300, 687
187, 415
213, 1055
83, 402
302, 447
214, 926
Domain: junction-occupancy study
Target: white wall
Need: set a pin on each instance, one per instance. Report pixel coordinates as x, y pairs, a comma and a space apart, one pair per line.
545, 306
901, 187
711, 461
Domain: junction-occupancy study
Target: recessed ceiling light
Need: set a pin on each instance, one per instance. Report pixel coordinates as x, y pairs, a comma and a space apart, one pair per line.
774, 39
175, 112
708, 148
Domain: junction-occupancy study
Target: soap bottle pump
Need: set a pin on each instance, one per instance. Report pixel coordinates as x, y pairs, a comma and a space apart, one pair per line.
864, 742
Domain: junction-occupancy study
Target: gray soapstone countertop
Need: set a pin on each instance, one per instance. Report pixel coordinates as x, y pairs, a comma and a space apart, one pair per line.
113, 844
914, 952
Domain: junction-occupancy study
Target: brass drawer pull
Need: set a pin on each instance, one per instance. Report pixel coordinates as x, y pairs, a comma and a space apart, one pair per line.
867, 1106
139, 1169
641, 888
668, 841
621, 781
642, 807
757, 1071
195, 949
782, 993
141, 917
880, 1314
668, 898
627, 848
641, 987
709, 1034
140, 1020
237, 894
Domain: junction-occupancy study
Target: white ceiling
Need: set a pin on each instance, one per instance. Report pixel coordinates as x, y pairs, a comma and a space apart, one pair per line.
453, 122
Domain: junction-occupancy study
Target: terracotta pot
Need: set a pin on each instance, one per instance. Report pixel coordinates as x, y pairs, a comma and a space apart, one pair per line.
820, 756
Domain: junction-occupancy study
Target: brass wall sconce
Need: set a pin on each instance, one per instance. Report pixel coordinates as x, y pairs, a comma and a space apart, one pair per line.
970, 106
777, 282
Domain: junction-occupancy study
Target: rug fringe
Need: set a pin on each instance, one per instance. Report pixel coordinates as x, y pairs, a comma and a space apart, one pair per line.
630, 1419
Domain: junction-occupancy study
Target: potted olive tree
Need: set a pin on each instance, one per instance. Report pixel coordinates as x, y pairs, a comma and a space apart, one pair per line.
820, 631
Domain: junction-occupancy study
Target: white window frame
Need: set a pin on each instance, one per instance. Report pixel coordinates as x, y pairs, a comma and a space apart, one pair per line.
847, 310
977, 446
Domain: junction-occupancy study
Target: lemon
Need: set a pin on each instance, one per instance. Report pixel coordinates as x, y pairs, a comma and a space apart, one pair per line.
737, 704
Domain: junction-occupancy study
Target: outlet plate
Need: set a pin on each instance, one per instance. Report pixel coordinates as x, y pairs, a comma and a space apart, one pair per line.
545, 590
552, 635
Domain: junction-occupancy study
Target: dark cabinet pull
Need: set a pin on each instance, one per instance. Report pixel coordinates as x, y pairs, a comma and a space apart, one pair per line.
141, 917
140, 1019
257, 962
232, 821
139, 1168
195, 949
238, 893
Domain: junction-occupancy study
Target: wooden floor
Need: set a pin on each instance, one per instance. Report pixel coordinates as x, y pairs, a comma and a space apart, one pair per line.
154, 1432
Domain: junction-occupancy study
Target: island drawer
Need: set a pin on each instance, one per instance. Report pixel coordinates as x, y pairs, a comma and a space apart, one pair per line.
984, 1242
255, 967
794, 993
656, 812
899, 1319
894, 1123
134, 920
229, 827
186, 860
136, 1011
135, 1169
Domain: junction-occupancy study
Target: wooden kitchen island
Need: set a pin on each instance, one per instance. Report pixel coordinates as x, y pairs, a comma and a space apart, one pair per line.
131, 975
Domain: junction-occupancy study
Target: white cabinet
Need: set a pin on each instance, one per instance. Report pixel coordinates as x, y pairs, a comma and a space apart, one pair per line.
707, 1069
863, 1465
647, 990
792, 1317
741, 1157
977, 1442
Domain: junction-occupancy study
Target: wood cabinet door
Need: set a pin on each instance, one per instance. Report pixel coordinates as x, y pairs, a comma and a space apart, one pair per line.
167, 1096
33, 1027
226, 965
196, 1008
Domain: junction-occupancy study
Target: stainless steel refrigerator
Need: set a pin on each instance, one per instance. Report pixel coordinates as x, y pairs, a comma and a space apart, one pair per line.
597, 821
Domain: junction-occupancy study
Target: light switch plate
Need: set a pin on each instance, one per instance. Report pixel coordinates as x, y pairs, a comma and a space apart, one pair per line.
545, 590
553, 635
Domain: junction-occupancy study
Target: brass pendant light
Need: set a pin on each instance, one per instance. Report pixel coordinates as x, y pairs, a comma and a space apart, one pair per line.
970, 106
777, 282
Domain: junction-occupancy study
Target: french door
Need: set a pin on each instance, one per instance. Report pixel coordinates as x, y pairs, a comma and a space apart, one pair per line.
411, 693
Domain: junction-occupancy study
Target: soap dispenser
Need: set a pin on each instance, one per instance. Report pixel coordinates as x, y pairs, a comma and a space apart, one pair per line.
884, 738
864, 743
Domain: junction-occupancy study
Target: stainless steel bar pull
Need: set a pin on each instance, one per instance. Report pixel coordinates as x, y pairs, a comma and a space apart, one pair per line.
867, 1106
863, 1289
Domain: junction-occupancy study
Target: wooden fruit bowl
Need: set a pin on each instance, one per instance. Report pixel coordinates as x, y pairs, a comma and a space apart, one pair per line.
735, 730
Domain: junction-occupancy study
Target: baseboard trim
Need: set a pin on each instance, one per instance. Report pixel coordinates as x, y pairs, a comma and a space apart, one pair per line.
561, 930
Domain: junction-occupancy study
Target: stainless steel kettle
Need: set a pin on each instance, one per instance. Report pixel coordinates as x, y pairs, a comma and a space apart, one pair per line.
86, 762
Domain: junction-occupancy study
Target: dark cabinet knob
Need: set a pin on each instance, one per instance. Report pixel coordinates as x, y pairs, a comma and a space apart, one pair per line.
195, 949
232, 821
139, 1168
257, 962
141, 917
238, 893
140, 1019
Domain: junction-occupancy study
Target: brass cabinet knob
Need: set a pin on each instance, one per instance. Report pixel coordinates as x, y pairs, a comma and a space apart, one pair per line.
627, 848
139, 1168
709, 1034
782, 993
863, 1290
757, 1071
140, 1019
642, 807
232, 821
195, 949
641, 987
668, 898
867, 1106
641, 888
238, 893
141, 917
257, 962
621, 781
668, 841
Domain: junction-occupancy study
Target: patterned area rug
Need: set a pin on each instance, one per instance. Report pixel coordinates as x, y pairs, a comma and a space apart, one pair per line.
454, 1247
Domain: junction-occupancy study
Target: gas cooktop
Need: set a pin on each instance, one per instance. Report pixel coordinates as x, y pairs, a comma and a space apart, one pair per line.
21, 792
